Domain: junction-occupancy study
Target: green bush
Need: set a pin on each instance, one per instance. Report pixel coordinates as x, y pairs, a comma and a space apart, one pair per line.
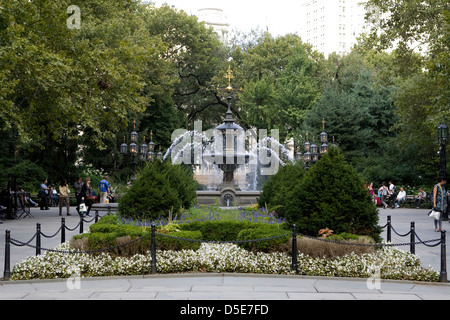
106, 236
110, 232
177, 243
263, 231
277, 189
241, 230
332, 195
218, 230
109, 219
160, 188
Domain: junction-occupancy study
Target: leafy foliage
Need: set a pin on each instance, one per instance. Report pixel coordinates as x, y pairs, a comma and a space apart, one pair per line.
277, 189
329, 195
160, 189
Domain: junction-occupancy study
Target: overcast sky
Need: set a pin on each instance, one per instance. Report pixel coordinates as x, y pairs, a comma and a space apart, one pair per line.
280, 16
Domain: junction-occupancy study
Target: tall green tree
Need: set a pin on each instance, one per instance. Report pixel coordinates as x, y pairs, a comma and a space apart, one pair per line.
359, 114
68, 87
280, 78
423, 98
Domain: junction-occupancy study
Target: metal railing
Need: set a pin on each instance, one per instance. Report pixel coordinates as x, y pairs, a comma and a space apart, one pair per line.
294, 262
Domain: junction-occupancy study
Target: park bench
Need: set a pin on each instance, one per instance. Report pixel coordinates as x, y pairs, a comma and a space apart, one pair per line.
410, 201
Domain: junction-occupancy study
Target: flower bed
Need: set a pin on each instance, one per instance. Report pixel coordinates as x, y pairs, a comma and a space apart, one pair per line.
389, 261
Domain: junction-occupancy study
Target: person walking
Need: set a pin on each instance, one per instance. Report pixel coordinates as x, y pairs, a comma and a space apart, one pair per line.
439, 201
103, 187
64, 196
77, 186
384, 193
392, 195
43, 195
86, 195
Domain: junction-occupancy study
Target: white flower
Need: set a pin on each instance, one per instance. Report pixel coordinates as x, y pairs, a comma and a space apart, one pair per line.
392, 263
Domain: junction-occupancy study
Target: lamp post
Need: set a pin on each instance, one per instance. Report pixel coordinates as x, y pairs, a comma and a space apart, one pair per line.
12, 183
443, 139
323, 140
151, 148
313, 152
307, 154
145, 152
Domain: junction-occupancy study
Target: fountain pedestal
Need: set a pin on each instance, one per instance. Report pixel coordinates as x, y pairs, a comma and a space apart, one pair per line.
228, 197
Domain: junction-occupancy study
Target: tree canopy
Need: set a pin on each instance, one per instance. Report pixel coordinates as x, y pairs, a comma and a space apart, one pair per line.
69, 95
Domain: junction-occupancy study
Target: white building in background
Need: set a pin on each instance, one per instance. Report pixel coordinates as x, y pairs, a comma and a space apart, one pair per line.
331, 25
215, 18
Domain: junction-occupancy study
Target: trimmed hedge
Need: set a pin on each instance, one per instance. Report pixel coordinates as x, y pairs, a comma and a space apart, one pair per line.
109, 233
105, 236
262, 232
219, 230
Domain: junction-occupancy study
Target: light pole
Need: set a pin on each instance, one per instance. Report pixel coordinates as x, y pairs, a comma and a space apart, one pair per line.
146, 152
312, 151
443, 139
12, 183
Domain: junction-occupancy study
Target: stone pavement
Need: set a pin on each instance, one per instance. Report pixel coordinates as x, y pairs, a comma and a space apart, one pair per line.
193, 286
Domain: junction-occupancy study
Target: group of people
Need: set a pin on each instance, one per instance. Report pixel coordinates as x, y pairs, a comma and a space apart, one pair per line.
388, 197
84, 193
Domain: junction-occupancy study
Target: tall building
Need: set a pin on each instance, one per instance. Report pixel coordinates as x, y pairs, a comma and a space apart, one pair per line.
332, 25
215, 18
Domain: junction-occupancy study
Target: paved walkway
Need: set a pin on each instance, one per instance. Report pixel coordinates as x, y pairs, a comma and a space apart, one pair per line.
193, 286
220, 287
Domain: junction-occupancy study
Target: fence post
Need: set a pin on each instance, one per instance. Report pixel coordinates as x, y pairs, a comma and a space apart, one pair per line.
38, 239
153, 249
7, 271
388, 229
81, 224
412, 245
443, 275
63, 230
96, 216
294, 266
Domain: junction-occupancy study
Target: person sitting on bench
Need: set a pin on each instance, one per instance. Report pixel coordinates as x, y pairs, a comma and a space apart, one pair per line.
419, 198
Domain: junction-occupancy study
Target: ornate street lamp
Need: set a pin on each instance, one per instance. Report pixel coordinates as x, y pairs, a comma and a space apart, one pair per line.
298, 155
323, 140
151, 148
443, 139
307, 154
159, 154
143, 151
443, 133
334, 145
124, 146
314, 152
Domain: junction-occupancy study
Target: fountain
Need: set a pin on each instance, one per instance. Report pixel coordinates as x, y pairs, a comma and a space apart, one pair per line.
222, 153
228, 155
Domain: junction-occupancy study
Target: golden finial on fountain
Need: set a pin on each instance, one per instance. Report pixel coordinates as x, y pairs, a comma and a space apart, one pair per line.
229, 76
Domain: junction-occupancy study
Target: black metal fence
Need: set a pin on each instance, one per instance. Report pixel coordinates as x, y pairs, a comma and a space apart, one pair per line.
294, 264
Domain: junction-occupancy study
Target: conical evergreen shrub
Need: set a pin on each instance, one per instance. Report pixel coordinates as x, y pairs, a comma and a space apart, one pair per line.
332, 195
160, 188
277, 189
